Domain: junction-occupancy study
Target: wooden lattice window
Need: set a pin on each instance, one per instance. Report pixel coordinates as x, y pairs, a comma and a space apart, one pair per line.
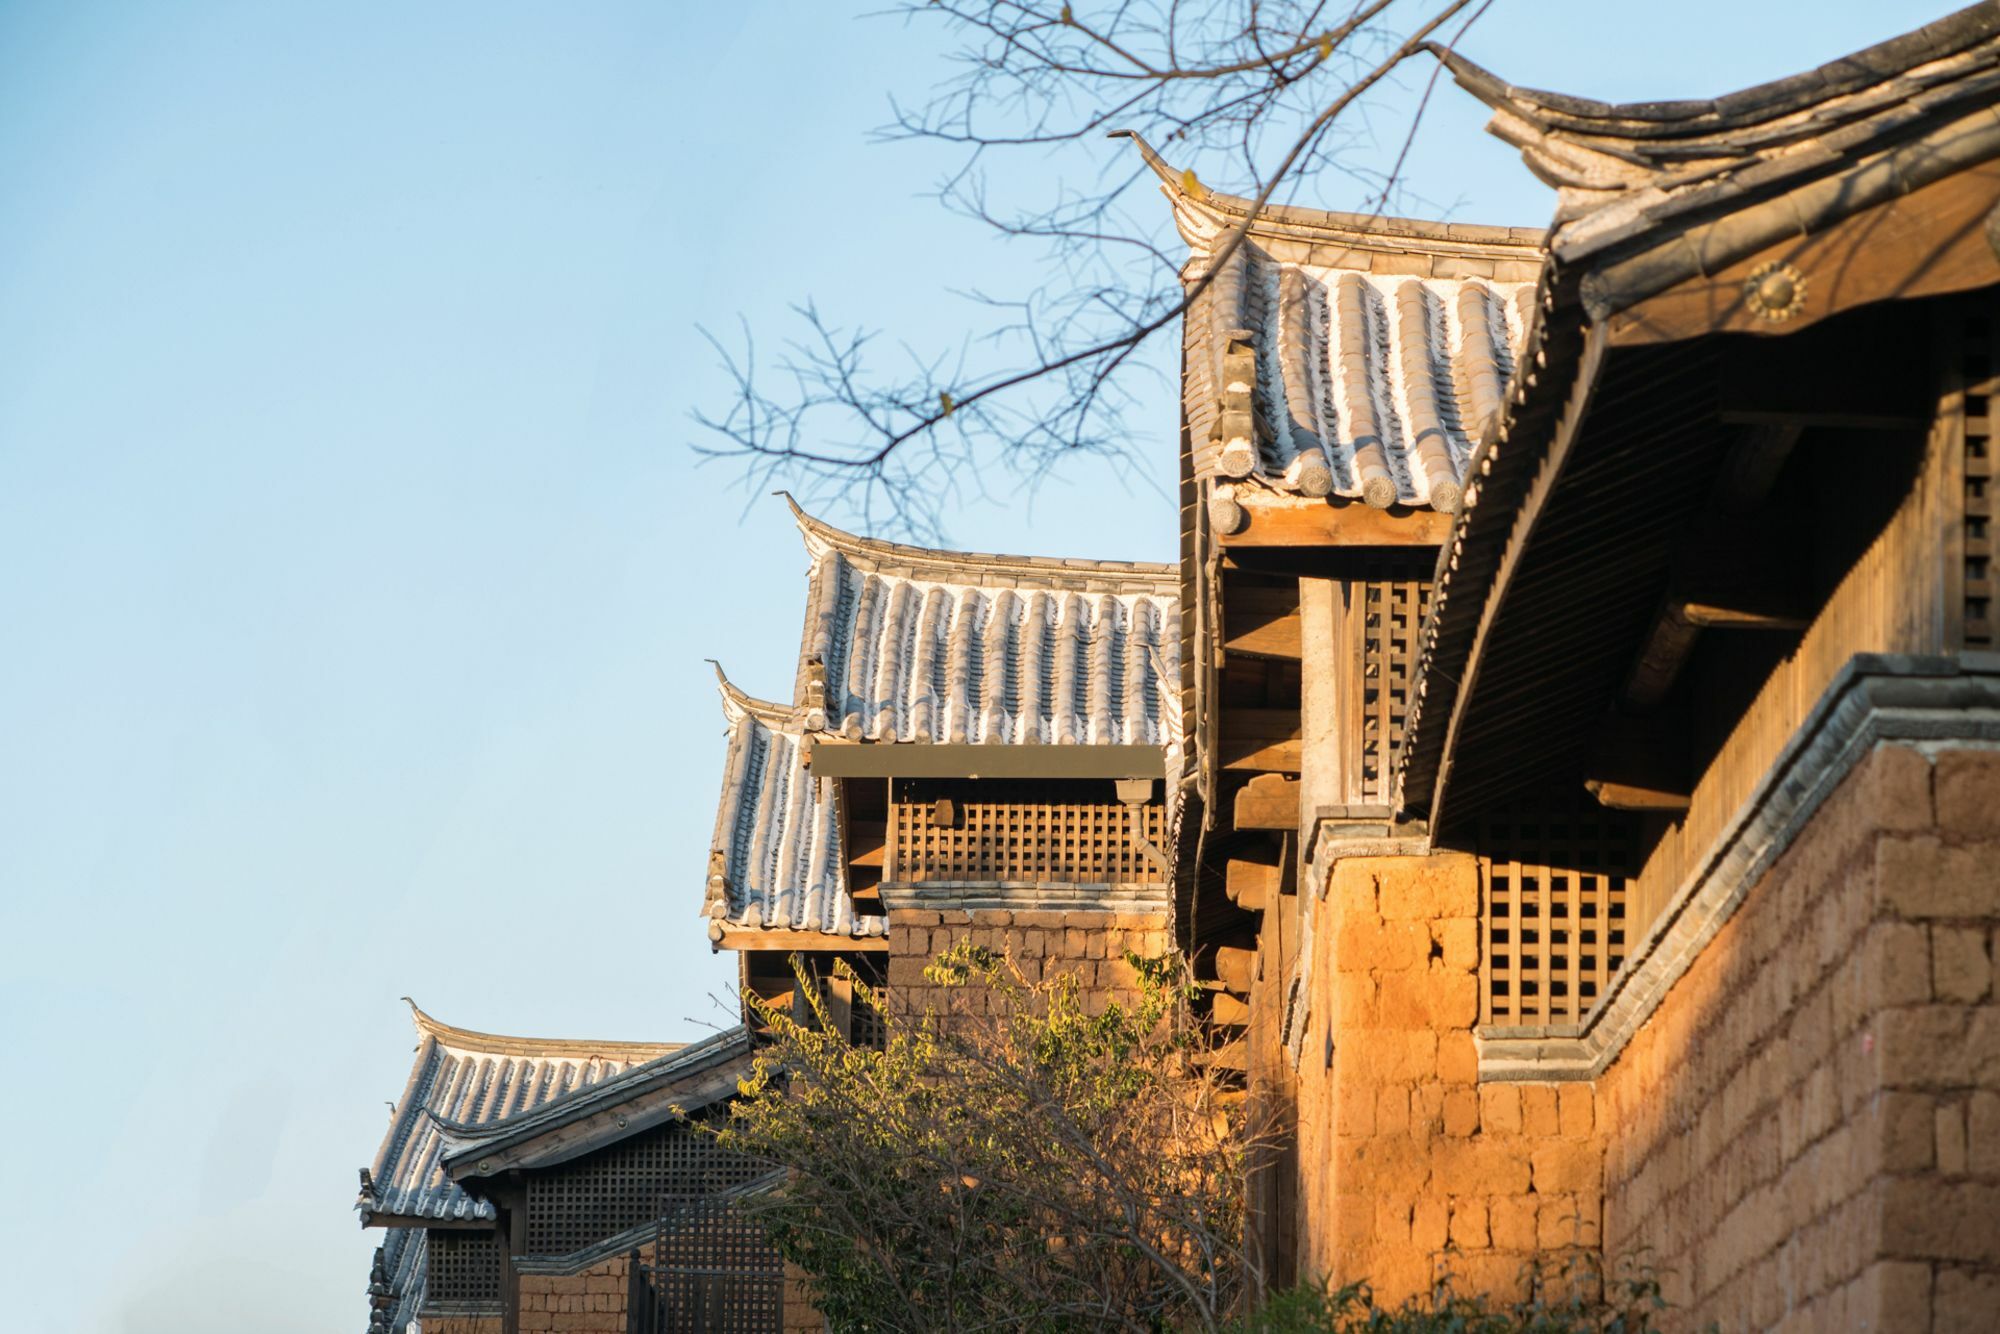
1980, 392
1392, 618
1556, 889
461, 1271
970, 834
711, 1271
627, 1185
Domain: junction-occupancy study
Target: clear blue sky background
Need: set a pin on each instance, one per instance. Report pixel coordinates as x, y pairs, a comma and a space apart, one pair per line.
355, 577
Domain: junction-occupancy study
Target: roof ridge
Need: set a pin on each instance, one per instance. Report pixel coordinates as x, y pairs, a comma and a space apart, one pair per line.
499, 1044
1200, 213
1771, 99
737, 702
869, 553
611, 1089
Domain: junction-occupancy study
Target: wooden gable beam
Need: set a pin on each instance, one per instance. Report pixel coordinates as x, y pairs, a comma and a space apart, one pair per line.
1271, 520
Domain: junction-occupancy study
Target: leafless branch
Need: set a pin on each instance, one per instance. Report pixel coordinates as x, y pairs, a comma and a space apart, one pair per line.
1274, 96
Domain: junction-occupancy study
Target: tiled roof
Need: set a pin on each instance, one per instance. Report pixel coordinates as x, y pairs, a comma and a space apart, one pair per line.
1382, 347
697, 1075
1831, 141
910, 644
396, 1280
461, 1081
776, 861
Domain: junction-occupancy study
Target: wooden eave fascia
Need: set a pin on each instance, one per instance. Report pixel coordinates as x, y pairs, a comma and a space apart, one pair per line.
1325, 227
1274, 520
571, 1139
837, 757
373, 1219
1931, 241
753, 938
1569, 426
496, 1044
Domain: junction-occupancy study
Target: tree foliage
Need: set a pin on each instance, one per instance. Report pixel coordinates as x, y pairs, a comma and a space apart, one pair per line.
1026, 1155
1565, 1294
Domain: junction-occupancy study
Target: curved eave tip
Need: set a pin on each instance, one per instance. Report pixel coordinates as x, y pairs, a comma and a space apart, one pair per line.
1152, 157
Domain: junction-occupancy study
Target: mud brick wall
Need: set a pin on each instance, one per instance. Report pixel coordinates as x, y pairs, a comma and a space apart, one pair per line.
592, 1302
1807, 1132
1091, 945
1401, 1149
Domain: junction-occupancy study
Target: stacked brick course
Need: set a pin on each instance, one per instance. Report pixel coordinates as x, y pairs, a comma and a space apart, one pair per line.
1402, 1151
1807, 1133
1089, 945
592, 1302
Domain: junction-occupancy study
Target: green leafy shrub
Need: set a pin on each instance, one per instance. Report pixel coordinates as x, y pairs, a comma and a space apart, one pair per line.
1569, 1294
1027, 1157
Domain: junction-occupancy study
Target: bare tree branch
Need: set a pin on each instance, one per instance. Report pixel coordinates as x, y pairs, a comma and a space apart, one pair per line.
1275, 90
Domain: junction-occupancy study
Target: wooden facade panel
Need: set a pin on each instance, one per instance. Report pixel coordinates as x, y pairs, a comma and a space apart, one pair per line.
1926, 243
948, 839
1911, 591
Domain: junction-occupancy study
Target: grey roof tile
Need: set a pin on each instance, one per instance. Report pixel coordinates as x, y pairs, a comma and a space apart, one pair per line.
460, 1081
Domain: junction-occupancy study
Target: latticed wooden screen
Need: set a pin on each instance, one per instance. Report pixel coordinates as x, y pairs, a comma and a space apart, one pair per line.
712, 1272
1023, 842
625, 1186
461, 1270
1392, 615
1556, 888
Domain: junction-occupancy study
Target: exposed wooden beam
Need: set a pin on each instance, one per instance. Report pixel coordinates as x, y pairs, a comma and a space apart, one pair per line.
867, 842
831, 757
1236, 968
1228, 1009
1282, 521
1268, 801
1265, 740
1719, 613
811, 942
1641, 764
1752, 466
1261, 622
1632, 797
1253, 886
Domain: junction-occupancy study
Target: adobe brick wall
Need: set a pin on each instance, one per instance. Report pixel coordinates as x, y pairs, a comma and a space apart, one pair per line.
1401, 1149
461, 1324
1807, 1132
1090, 945
594, 1302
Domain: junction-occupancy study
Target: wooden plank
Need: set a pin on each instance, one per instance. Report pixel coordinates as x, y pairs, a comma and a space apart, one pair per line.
1227, 1009
1282, 521
838, 758
1266, 740
1252, 885
1261, 755
746, 938
1261, 622
1268, 801
1636, 797
868, 842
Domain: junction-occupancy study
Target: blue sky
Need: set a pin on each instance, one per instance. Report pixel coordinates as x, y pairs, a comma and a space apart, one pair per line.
356, 577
